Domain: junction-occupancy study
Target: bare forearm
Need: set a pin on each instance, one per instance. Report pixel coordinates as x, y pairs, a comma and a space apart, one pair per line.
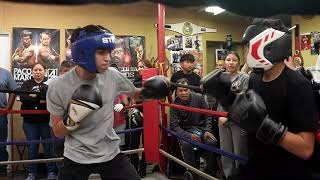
58, 127
27, 55
300, 144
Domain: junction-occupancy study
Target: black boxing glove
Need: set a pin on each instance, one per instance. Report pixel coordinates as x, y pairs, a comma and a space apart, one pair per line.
84, 101
137, 117
157, 87
307, 74
218, 84
248, 111
315, 85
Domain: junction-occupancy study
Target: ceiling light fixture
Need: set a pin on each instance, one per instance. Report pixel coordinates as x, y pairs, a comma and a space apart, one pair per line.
214, 9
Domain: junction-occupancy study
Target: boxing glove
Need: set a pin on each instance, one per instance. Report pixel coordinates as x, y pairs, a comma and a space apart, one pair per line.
84, 101
137, 117
157, 87
307, 74
248, 111
218, 84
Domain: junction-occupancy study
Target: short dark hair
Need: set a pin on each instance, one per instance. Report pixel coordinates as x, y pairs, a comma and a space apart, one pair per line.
87, 29
26, 33
146, 63
44, 67
187, 57
183, 81
67, 64
270, 23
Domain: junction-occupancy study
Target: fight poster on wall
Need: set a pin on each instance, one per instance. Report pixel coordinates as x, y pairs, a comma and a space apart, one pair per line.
31, 45
128, 52
305, 42
180, 45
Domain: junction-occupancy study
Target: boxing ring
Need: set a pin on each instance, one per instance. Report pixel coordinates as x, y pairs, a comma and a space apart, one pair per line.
155, 134
155, 122
155, 125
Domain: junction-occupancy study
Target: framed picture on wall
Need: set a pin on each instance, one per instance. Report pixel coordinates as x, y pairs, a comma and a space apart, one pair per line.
221, 54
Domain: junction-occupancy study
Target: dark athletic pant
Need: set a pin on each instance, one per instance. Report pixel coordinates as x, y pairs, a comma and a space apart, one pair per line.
119, 168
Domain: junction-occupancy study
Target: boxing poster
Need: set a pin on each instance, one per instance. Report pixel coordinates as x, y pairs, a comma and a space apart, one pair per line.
221, 54
174, 43
305, 42
177, 46
31, 45
187, 42
128, 52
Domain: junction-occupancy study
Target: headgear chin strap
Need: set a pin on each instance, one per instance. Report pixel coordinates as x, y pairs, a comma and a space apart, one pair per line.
84, 48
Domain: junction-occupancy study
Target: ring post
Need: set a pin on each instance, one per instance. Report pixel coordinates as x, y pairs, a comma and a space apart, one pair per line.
151, 123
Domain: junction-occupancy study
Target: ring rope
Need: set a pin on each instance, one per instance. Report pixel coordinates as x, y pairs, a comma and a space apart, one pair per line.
17, 91
59, 139
10, 111
191, 168
196, 110
31, 161
206, 147
34, 161
129, 130
31, 142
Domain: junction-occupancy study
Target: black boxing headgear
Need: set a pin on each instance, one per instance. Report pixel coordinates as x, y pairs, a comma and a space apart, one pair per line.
266, 46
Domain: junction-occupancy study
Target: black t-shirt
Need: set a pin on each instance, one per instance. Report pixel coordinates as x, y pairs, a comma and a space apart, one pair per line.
193, 79
289, 100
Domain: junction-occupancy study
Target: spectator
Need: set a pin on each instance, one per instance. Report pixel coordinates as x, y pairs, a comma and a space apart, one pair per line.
232, 138
6, 82
186, 63
195, 126
37, 127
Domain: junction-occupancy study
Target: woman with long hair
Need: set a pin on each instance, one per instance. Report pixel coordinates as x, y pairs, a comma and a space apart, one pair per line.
233, 139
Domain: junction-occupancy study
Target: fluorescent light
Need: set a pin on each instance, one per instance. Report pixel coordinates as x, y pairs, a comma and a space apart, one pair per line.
214, 9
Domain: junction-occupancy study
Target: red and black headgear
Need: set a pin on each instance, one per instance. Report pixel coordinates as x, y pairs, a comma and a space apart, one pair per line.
266, 45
